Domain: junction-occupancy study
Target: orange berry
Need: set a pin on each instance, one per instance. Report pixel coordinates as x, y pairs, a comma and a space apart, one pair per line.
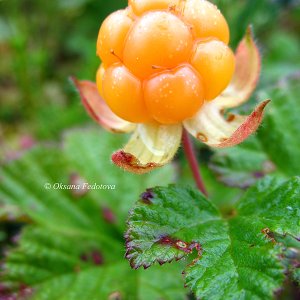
157, 40
206, 19
174, 95
163, 58
123, 93
141, 6
215, 61
99, 79
112, 36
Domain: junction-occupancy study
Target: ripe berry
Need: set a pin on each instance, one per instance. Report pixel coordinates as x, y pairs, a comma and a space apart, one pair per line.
123, 93
172, 96
158, 39
112, 36
215, 61
163, 59
206, 20
141, 6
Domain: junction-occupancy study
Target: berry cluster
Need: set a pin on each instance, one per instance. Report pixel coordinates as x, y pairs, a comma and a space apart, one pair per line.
161, 59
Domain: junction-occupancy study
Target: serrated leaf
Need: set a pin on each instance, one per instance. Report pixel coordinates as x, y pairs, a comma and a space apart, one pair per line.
238, 258
146, 239
75, 248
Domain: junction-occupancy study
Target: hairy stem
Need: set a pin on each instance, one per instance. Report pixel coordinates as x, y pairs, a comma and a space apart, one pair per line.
194, 165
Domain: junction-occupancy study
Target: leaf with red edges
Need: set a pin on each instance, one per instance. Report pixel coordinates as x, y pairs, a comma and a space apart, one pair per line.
130, 163
241, 257
211, 128
150, 147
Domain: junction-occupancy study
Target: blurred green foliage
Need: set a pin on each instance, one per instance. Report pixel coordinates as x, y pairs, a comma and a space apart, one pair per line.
42, 43
73, 245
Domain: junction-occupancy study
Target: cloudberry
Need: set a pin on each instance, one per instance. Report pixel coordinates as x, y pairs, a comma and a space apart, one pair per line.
162, 59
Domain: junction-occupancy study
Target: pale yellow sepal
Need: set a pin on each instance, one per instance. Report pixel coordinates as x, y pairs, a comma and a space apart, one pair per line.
212, 128
151, 146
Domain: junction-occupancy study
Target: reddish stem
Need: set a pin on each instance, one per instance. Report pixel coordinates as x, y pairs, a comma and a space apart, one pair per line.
194, 165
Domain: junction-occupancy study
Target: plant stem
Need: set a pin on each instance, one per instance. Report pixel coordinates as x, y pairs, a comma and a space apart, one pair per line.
194, 165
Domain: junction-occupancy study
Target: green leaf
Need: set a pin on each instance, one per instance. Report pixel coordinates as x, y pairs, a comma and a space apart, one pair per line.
75, 247
223, 196
275, 149
280, 134
242, 165
238, 257
296, 275
53, 269
292, 254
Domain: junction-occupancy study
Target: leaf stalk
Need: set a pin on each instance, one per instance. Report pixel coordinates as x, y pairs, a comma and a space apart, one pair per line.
193, 162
